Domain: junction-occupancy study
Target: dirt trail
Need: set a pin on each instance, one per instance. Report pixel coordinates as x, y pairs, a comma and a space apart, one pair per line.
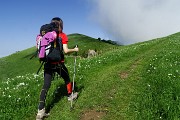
92, 115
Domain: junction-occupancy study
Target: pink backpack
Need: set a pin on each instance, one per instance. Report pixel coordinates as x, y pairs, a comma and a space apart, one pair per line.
43, 43
49, 44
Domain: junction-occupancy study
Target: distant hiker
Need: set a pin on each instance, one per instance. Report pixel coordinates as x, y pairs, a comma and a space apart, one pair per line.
51, 67
91, 53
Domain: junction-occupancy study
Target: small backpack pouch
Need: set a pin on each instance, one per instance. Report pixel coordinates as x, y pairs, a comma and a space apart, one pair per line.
54, 55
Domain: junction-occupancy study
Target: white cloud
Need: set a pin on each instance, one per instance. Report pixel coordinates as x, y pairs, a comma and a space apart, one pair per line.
131, 21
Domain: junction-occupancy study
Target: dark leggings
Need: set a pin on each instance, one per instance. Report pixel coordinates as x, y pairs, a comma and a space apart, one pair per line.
49, 70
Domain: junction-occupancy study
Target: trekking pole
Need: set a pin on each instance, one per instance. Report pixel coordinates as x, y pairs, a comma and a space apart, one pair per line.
40, 67
34, 55
73, 79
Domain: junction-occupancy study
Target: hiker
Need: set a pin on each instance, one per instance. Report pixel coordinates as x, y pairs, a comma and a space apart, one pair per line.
51, 67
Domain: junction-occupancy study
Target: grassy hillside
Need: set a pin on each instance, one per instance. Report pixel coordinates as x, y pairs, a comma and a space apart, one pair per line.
139, 81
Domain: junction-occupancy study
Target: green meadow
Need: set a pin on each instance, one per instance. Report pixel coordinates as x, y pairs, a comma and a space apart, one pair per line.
133, 82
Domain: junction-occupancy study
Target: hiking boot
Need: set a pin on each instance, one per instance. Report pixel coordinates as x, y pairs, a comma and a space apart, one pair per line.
41, 114
72, 96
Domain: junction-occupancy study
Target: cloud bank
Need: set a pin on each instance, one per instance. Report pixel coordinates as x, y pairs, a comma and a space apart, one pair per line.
132, 21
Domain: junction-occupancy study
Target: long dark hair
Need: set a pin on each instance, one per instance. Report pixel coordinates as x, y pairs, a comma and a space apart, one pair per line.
59, 21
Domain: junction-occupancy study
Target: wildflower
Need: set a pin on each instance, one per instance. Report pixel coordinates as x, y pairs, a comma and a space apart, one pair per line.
79, 65
7, 82
18, 99
18, 76
7, 88
20, 84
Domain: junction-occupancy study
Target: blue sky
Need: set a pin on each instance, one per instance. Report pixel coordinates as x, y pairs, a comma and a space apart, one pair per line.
21, 19
124, 21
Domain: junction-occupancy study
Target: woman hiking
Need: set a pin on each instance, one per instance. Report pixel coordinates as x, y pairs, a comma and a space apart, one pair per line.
50, 68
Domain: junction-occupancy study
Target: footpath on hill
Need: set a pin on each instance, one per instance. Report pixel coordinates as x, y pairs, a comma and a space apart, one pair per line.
109, 86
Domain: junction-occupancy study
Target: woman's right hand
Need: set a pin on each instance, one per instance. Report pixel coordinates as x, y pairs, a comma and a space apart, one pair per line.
76, 49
